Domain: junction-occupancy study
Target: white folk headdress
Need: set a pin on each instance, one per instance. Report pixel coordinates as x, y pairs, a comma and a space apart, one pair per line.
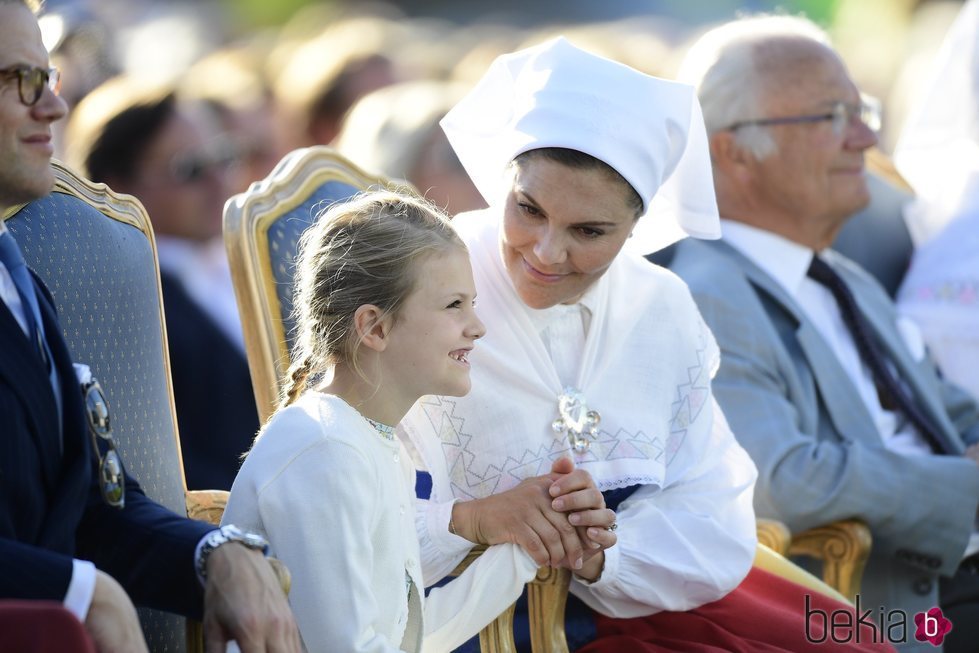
649, 130
641, 404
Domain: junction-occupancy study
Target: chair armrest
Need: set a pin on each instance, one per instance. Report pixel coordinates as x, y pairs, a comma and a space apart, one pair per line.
547, 595
774, 534
777, 564
843, 548
207, 505
497, 636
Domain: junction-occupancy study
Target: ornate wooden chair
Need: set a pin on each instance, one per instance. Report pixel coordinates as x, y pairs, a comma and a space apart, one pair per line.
95, 251
262, 228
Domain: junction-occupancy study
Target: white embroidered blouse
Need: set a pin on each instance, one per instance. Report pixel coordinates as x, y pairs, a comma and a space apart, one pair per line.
687, 536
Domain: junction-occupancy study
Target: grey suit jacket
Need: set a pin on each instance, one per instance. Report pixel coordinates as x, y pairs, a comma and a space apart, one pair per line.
819, 455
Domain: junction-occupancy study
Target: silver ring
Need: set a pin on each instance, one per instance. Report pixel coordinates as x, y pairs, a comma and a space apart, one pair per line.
612, 527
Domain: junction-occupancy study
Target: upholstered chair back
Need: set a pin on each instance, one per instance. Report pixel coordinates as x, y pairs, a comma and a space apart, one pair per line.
95, 251
262, 227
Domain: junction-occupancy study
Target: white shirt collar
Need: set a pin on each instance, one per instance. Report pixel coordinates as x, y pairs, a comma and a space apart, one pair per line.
586, 305
784, 260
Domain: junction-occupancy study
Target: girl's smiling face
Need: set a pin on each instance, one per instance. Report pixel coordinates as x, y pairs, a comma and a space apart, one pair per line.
436, 328
562, 228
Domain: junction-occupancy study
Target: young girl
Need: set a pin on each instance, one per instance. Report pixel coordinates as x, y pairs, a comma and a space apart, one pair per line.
384, 306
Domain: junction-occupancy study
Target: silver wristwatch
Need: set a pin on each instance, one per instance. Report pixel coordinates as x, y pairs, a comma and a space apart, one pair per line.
223, 535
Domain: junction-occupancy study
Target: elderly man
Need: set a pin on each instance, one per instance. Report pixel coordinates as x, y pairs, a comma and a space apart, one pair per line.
828, 391
51, 508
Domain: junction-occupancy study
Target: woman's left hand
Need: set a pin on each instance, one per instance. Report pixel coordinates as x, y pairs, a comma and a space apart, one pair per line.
576, 495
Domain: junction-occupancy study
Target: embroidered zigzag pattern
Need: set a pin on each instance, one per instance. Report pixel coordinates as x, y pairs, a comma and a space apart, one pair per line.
468, 481
690, 399
472, 482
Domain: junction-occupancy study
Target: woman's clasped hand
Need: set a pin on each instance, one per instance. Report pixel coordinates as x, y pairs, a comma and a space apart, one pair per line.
559, 518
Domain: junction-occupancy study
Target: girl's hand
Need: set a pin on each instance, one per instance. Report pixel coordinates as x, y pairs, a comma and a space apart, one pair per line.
524, 516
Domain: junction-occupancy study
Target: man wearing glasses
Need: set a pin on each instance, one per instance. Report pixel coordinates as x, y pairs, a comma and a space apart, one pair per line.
157, 555
833, 397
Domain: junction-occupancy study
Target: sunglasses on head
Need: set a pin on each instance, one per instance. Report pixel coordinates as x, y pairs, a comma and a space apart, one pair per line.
112, 480
31, 81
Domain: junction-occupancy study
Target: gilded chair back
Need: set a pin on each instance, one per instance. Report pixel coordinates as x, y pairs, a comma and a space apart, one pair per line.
95, 251
262, 227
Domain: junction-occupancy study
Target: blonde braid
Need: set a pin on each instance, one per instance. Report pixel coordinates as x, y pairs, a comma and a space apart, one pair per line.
297, 377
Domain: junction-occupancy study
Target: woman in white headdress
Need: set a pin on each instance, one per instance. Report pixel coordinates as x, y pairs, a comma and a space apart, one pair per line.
595, 355
938, 153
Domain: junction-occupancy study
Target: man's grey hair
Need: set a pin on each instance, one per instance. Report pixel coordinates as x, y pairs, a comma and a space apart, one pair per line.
723, 65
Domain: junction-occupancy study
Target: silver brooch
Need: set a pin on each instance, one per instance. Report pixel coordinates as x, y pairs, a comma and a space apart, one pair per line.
576, 420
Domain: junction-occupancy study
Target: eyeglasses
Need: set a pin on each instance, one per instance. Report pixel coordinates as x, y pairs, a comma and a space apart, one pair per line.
841, 115
112, 480
31, 82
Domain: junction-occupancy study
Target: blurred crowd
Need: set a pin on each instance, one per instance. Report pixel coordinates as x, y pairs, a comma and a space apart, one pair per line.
167, 104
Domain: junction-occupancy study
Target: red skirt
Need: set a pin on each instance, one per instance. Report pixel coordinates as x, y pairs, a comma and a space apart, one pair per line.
764, 614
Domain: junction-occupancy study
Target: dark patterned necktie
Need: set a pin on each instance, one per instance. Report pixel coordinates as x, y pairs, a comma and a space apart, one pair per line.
892, 391
13, 260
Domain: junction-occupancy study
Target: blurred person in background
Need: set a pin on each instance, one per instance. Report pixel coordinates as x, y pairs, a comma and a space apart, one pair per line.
231, 82
938, 153
324, 76
394, 131
145, 141
639, 43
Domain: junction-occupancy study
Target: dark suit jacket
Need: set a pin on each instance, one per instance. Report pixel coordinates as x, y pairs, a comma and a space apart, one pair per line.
212, 389
51, 508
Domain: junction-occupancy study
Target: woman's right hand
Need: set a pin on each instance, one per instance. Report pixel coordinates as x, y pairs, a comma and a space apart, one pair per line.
522, 515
